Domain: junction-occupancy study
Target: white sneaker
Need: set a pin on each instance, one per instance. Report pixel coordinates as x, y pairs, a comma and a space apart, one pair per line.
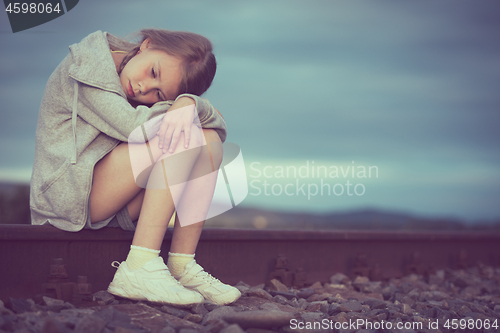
195, 278
152, 282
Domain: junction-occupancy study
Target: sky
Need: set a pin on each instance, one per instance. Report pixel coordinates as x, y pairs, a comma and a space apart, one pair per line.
405, 89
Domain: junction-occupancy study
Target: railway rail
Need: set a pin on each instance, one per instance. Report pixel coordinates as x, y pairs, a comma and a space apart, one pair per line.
27, 255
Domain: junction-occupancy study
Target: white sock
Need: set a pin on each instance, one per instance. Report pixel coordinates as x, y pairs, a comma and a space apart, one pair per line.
138, 256
177, 262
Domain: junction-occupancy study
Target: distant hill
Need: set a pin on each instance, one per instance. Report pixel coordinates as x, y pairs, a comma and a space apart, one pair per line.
14, 203
364, 219
14, 209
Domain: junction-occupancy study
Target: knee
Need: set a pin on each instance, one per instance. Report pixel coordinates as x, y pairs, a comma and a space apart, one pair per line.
195, 137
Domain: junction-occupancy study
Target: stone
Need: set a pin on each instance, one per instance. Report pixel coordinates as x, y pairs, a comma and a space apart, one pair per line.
360, 281
276, 285
339, 317
354, 306
334, 309
293, 302
90, 323
433, 296
215, 325
199, 308
441, 314
188, 330
406, 308
280, 299
316, 285
406, 287
218, 313
375, 303
233, 328
420, 307
287, 295
354, 316
259, 318
242, 287
316, 306
167, 329
117, 325
302, 303
372, 288
19, 305
32, 321
154, 320
174, 311
269, 307
389, 291
379, 315
305, 293
258, 330
318, 297
336, 286
339, 278
194, 317
394, 315
312, 316
259, 292
210, 306
103, 297
408, 300
242, 284
437, 278
110, 314
52, 326
77, 312
334, 299
471, 291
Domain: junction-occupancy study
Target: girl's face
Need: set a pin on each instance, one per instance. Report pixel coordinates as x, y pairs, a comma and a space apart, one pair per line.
151, 76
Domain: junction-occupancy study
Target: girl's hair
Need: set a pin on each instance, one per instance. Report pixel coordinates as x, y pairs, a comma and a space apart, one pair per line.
195, 52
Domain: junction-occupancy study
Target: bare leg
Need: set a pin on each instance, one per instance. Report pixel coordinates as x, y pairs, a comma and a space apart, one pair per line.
185, 239
114, 187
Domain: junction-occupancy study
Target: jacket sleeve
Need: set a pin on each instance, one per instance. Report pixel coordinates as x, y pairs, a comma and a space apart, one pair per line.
209, 116
113, 115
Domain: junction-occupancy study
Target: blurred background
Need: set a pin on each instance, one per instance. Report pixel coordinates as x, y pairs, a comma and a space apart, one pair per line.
374, 114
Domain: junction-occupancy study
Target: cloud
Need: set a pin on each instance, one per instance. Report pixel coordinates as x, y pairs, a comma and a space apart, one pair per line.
393, 83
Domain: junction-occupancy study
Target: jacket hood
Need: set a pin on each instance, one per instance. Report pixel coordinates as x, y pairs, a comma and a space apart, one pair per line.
93, 67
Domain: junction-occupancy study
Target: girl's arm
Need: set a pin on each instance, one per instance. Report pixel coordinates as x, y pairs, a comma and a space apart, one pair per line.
113, 115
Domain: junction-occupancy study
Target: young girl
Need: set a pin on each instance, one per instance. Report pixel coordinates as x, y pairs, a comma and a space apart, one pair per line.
83, 178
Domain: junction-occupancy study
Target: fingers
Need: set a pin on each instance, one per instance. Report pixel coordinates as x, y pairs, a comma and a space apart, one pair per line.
161, 134
174, 123
170, 137
167, 142
175, 139
187, 136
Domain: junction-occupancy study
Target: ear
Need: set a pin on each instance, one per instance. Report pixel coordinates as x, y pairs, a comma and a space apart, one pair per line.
145, 44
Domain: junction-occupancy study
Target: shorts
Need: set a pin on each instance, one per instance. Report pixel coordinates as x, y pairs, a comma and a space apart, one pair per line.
121, 219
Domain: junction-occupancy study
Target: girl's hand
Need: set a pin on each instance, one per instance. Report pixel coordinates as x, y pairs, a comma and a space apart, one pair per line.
178, 119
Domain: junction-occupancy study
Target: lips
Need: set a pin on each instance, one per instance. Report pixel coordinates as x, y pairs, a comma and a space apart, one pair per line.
130, 90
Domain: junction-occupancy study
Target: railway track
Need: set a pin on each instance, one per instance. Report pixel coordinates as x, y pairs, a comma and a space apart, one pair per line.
27, 255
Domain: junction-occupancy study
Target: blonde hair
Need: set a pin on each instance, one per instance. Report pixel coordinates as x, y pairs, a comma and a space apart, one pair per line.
195, 52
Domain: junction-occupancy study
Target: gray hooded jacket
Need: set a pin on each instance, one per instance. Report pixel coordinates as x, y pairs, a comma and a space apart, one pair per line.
84, 115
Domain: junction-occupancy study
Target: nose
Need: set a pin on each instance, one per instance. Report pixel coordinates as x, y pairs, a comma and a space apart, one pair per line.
146, 86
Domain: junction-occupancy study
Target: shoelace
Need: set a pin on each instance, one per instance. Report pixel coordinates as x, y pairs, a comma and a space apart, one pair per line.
207, 277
